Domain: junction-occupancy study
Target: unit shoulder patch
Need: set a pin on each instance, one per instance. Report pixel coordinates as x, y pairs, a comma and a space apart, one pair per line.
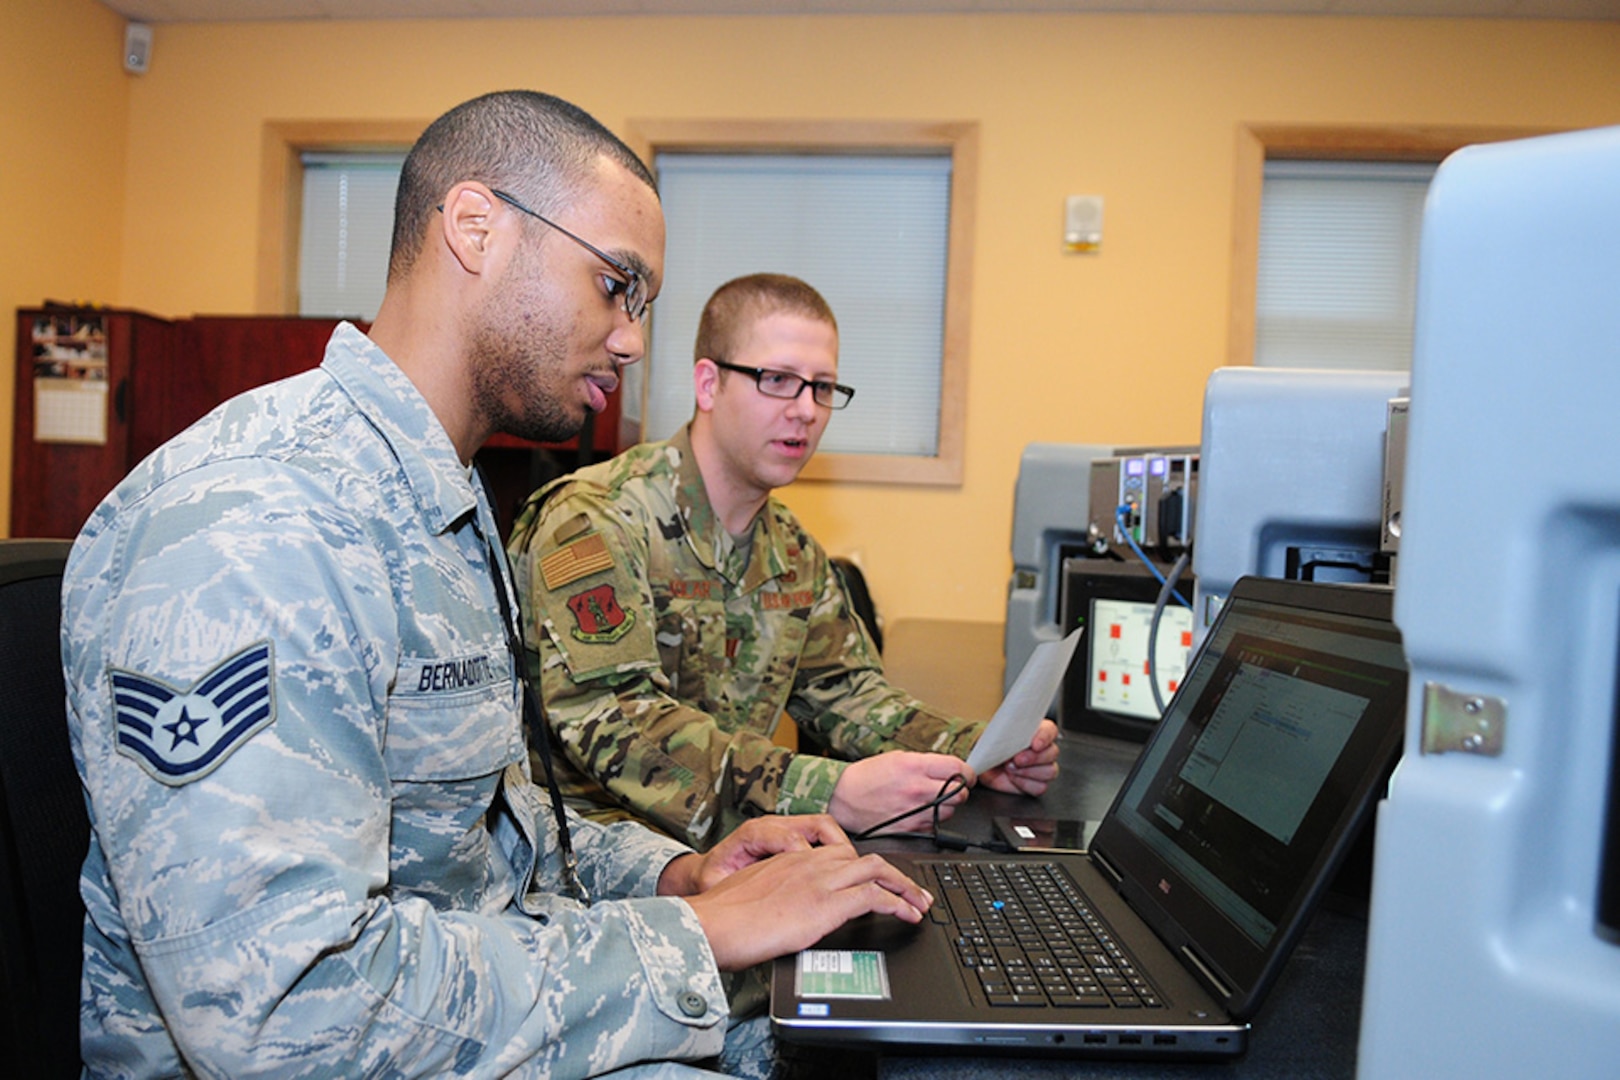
182, 734
599, 619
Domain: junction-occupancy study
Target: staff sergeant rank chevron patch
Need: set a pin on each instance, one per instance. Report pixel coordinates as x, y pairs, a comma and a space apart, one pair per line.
183, 735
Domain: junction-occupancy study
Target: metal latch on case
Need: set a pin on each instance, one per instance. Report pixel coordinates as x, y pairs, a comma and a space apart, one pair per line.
1455, 721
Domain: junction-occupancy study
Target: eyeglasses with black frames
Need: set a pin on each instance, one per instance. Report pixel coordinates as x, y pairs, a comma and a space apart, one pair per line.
786, 385
632, 290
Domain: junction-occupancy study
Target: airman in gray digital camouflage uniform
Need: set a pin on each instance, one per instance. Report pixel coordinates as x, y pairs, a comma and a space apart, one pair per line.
294, 698
675, 610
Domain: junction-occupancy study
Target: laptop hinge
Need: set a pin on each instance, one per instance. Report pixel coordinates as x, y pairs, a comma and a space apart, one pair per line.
1102, 860
1209, 976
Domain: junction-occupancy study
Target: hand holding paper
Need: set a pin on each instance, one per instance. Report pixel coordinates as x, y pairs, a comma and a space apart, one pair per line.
1024, 707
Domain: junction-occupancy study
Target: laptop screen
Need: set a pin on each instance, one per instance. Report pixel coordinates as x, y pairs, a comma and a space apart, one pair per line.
1243, 803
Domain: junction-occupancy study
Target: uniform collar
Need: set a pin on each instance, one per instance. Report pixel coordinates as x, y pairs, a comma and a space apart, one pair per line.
391, 403
767, 558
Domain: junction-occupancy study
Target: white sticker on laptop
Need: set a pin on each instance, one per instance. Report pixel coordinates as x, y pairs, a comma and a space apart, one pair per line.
841, 973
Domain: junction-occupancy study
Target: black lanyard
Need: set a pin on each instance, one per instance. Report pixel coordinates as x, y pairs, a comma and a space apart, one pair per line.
533, 720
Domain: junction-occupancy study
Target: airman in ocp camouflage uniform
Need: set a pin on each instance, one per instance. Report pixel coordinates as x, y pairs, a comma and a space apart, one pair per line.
667, 652
676, 610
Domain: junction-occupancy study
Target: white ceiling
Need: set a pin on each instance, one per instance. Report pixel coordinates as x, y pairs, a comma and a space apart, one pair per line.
168, 11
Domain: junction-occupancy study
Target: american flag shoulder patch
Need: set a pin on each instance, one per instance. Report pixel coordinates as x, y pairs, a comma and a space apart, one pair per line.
181, 734
575, 559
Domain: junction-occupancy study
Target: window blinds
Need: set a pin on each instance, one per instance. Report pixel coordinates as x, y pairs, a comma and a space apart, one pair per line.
345, 232
1338, 263
868, 231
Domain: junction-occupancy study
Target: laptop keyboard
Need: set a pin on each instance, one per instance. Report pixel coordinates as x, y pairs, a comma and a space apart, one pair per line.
1025, 934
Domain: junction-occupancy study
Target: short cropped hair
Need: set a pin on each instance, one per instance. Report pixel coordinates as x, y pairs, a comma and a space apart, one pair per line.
537, 147
741, 302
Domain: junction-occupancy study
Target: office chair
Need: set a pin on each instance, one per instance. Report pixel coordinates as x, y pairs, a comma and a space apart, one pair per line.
44, 830
861, 597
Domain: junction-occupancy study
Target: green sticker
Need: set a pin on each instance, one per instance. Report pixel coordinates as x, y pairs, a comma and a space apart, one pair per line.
833, 973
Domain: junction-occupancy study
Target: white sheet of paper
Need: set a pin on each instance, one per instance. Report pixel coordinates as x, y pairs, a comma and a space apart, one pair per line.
1024, 707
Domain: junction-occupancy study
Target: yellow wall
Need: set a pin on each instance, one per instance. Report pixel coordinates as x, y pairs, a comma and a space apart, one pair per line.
1143, 110
63, 119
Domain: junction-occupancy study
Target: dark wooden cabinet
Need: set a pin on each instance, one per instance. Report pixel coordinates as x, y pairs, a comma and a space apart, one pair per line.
73, 426
158, 376
217, 357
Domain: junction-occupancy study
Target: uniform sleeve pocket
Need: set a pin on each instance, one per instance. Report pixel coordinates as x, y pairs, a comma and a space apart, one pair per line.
597, 631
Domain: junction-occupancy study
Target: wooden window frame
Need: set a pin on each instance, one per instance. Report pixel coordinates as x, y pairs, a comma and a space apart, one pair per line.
281, 192
1259, 143
945, 468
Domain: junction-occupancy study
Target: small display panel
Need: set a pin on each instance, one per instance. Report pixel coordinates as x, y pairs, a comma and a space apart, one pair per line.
1118, 663
1109, 693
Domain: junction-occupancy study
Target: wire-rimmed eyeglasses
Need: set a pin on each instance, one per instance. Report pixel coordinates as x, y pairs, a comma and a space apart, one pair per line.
633, 289
786, 385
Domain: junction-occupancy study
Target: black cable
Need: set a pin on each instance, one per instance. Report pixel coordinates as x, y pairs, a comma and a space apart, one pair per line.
955, 842
533, 718
1168, 587
947, 840
1119, 520
946, 790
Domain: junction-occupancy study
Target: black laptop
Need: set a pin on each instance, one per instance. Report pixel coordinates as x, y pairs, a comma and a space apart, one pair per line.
1164, 938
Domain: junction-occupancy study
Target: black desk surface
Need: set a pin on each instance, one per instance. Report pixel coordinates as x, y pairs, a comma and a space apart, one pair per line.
1308, 1027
